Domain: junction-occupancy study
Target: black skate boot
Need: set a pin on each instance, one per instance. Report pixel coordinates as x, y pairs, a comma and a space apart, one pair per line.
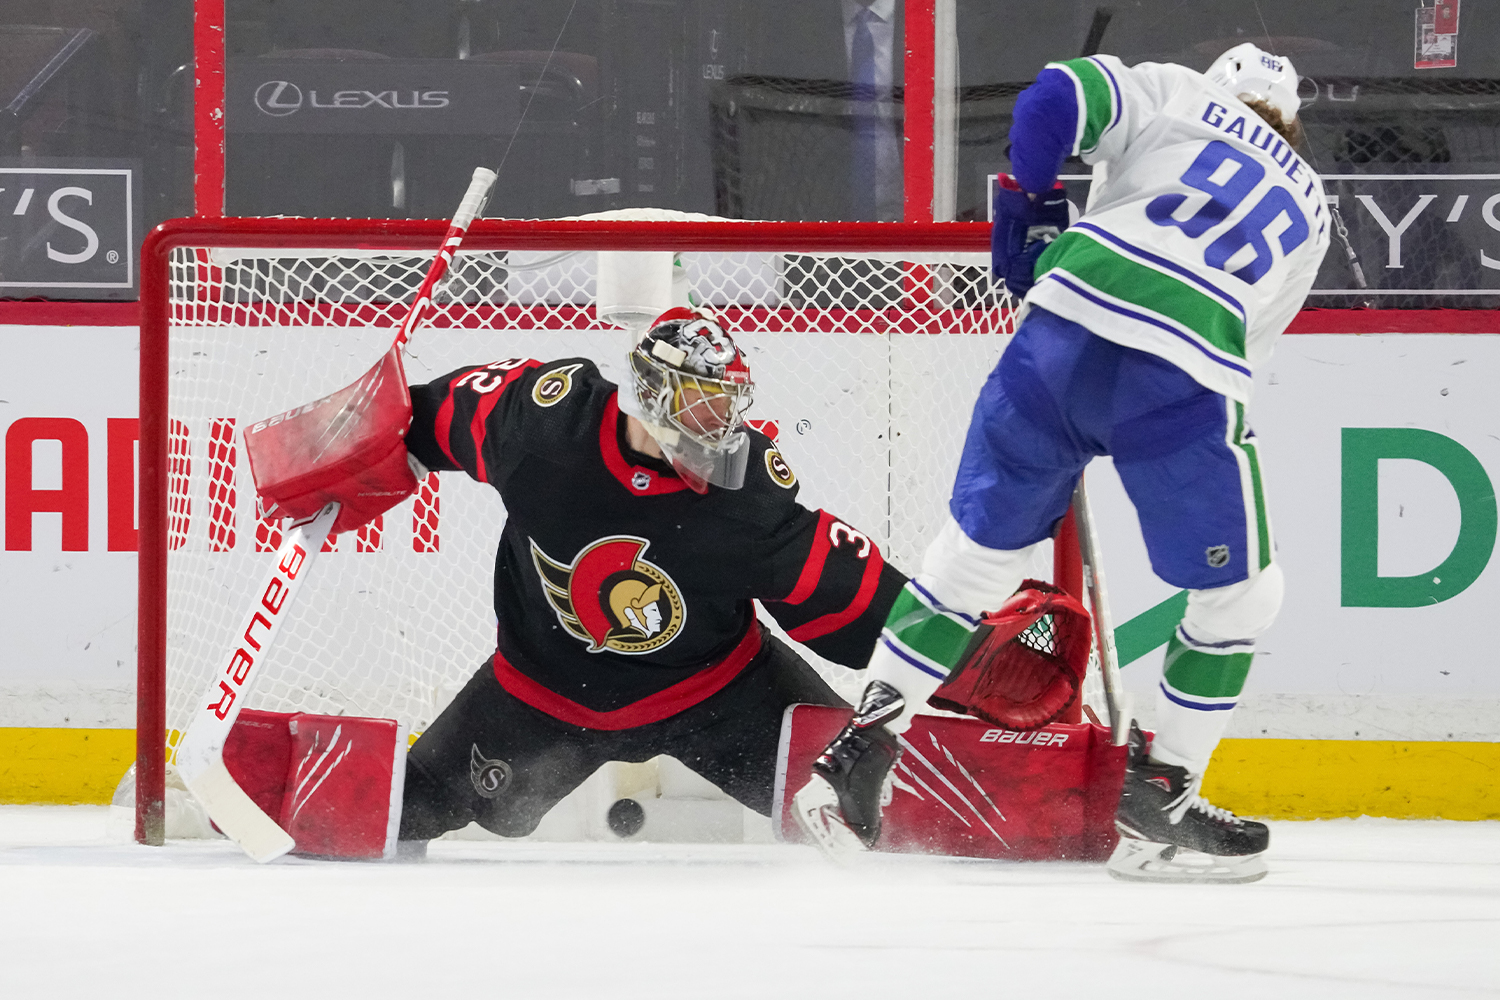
1161, 814
840, 806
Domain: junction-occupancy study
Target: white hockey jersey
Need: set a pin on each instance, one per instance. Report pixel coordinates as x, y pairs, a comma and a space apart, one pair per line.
1204, 230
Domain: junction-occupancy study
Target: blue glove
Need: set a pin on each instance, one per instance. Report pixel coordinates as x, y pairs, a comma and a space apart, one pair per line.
1024, 225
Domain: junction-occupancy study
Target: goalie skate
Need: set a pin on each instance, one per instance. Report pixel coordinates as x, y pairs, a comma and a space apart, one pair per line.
839, 807
1170, 833
816, 807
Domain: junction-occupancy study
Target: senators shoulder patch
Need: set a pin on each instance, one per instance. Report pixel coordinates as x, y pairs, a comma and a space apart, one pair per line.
781, 474
553, 386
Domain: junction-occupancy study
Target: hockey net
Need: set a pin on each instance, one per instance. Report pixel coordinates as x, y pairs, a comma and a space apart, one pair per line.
868, 344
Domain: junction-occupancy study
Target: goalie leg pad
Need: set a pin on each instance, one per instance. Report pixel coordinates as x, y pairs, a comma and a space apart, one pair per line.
334, 783
344, 786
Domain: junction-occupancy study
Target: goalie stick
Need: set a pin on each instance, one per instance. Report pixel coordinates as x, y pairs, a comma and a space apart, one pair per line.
200, 752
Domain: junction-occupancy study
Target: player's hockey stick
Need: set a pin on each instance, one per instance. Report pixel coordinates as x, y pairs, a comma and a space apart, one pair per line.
200, 753
1104, 629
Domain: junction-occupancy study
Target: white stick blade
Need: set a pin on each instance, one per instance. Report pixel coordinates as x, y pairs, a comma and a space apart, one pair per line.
238, 816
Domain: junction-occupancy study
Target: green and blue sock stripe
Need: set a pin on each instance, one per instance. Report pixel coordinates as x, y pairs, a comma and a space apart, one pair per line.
1205, 676
932, 602
1098, 100
1197, 703
924, 633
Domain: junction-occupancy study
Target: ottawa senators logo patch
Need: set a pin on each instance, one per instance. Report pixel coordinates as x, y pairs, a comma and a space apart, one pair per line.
781, 474
611, 598
553, 386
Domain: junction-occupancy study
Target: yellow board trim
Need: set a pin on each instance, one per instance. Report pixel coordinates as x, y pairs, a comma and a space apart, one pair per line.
1327, 779
63, 766
1279, 779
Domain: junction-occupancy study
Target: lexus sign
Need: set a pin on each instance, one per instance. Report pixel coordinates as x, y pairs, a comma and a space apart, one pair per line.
376, 96
69, 231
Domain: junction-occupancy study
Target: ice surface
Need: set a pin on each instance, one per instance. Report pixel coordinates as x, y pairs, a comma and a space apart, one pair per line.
1352, 908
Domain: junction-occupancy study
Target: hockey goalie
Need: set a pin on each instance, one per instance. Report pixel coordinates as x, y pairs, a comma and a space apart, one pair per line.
615, 586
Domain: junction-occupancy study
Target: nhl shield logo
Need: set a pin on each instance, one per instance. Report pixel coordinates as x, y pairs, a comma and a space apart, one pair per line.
1218, 556
611, 598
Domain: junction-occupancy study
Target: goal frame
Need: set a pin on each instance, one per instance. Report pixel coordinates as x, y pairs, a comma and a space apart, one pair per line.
420, 236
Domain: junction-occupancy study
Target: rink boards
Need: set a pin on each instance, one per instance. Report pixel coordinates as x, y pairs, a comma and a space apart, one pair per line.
1379, 451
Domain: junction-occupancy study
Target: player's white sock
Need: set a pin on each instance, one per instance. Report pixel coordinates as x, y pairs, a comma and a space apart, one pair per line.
1196, 697
915, 684
1186, 734
968, 577
1208, 658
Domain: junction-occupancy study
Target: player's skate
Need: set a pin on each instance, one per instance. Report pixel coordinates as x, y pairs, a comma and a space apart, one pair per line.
839, 808
1169, 833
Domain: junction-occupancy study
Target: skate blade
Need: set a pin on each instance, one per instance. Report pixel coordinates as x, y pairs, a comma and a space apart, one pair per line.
816, 808
1145, 861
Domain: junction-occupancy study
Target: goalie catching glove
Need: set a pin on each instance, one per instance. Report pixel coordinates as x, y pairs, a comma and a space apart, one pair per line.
1025, 663
349, 447
1025, 224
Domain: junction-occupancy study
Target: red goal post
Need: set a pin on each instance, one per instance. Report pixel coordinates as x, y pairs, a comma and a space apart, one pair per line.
869, 340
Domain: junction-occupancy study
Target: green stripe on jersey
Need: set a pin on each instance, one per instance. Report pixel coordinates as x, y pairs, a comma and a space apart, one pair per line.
920, 629
1098, 99
1131, 281
1205, 674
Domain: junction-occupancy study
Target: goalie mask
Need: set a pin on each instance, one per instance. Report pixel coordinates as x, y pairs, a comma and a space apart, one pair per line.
692, 388
1248, 71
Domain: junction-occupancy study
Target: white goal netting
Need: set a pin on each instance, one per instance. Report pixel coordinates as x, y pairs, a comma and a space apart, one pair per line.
866, 366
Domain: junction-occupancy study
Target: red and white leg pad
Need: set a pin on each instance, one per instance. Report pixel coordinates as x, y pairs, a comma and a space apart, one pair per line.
967, 788
333, 783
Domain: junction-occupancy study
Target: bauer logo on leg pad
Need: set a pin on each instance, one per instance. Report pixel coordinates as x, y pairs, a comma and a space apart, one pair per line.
490, 777
1036, 739
1218, 556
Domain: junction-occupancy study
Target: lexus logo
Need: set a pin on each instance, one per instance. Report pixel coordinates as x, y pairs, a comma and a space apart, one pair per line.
278, 98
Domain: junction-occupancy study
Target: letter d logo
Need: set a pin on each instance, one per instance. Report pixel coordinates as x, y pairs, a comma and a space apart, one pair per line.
1363, 586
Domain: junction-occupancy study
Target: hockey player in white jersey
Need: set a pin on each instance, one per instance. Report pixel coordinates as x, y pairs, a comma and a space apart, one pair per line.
1142, 327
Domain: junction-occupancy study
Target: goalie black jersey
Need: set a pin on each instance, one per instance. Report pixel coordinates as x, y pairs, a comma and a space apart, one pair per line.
622, 595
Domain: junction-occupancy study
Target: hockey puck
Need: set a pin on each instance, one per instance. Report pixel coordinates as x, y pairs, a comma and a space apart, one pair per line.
625, 818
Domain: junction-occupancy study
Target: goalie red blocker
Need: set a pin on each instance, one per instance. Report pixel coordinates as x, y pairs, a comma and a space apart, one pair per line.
348, 447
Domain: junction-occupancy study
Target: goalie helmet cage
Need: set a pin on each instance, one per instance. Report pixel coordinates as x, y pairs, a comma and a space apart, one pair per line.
868, 343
